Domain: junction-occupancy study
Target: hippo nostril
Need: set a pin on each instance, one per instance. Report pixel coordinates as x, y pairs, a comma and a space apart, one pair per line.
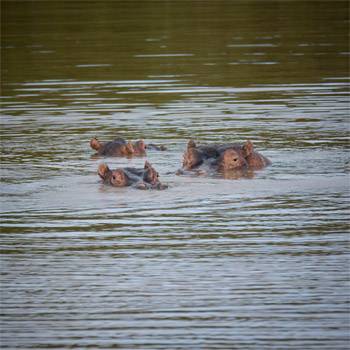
113, 177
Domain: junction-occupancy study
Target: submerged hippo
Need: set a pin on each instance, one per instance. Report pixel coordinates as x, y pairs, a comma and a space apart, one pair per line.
141, 178
223, 157
118, 147
121, 147
195, 156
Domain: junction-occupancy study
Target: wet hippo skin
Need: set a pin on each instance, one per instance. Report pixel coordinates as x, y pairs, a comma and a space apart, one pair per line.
120, 147
223, 157
141, 178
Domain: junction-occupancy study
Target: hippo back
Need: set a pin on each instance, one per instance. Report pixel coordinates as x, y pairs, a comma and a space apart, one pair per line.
116, 148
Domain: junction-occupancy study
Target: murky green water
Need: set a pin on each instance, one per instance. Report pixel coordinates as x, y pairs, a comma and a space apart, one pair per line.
257, 263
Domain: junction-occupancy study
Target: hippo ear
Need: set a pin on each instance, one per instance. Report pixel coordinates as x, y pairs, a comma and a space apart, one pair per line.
148, 165
95, 144
191, 144
248, 148
103, 170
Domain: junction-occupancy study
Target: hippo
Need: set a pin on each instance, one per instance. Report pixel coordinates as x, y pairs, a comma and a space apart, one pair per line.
195, 156
223, 157
120, 147
144, 178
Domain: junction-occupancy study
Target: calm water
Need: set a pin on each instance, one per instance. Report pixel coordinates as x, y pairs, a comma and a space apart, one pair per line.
259, 263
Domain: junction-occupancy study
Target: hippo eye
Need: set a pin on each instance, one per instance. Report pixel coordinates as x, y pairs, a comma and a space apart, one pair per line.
235, 160
157, 175
113, 177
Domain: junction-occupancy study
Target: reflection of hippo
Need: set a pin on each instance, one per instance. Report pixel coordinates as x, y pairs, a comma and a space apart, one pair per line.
120, 147
146, 178
223, 157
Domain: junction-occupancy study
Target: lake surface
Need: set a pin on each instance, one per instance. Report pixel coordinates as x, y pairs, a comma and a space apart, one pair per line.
210, 263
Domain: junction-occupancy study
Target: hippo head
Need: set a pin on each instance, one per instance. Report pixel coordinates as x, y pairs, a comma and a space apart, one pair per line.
192, 157
116, 177
139, 146
150, 174
231, 160
95, 144
248, 148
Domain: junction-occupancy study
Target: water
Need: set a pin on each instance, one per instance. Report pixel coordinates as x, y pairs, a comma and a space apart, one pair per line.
257, 263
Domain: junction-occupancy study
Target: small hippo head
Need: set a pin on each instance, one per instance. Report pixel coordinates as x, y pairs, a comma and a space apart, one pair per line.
95, 144
150, 174
192, 156
248, 148
116, 177
139, 147
231, 160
